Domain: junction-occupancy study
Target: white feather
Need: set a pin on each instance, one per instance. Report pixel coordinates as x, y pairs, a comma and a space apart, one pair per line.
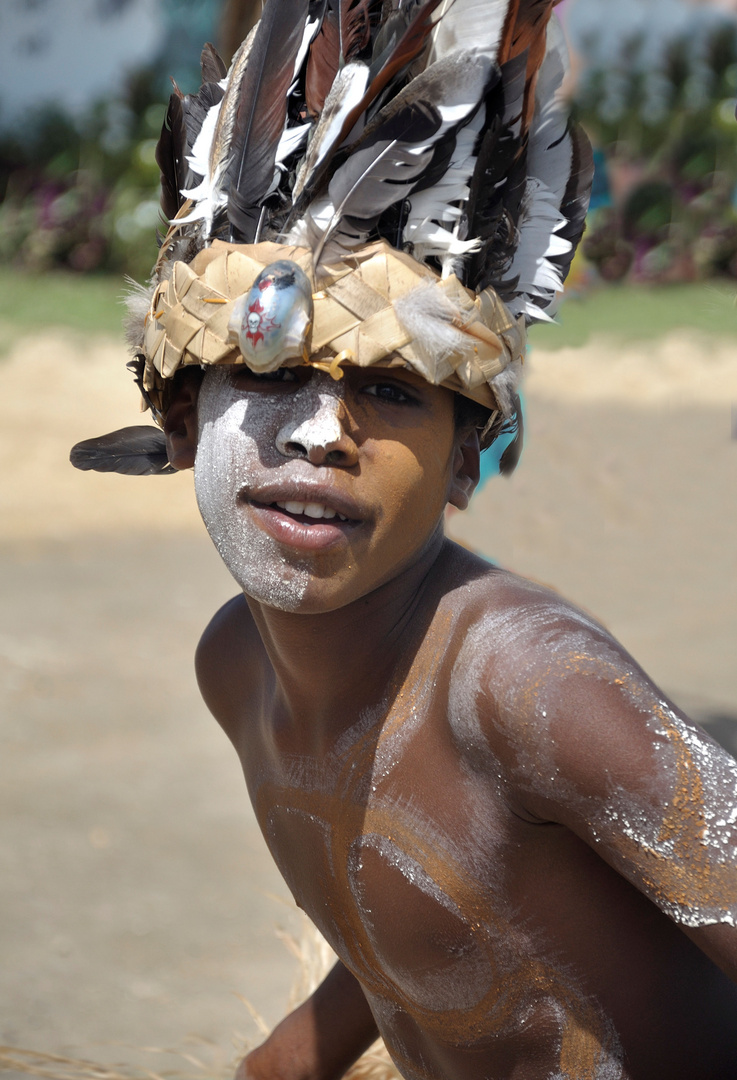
539, 279
549, 164
442, 203
137, 302
345, 93
506, 384
291, 140
311, 227
427, 313
311, 29
469, 24
208, 197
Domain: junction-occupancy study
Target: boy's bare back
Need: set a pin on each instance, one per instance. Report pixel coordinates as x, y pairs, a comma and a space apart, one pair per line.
485, 830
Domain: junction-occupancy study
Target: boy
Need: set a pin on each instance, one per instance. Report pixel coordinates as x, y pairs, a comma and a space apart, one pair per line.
523, 855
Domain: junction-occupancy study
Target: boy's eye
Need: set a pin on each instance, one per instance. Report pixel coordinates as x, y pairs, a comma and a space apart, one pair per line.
390, 391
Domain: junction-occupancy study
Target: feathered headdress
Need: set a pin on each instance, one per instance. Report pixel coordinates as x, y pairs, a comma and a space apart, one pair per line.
389, 182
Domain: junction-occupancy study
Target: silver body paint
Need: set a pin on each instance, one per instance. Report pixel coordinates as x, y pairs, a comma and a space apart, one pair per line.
655, 824
717, 779
251, 438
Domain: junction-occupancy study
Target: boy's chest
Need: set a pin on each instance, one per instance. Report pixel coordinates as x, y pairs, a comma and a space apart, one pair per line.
394, 851
408, 862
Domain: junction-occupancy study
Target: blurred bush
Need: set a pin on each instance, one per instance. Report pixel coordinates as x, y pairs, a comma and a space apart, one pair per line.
83, 193
665, 198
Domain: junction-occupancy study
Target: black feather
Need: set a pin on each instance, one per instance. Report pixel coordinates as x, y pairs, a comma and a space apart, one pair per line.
212, 64
262, 111
499, 180
510, 456
184, 118
575, 203
171, 151
137, 451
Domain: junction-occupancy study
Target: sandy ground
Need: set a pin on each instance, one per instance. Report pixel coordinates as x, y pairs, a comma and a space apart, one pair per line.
135, 890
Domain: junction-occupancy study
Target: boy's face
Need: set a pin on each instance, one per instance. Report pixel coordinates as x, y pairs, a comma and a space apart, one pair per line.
283, 459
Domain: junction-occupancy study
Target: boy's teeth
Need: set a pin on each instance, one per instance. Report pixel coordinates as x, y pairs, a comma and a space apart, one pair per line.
313, 510
317, 510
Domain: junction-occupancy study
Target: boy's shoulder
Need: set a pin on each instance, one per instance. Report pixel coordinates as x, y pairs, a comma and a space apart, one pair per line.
229, 659
536, 682
515, 623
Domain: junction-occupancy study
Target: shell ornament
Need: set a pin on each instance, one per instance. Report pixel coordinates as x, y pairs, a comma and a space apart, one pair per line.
272, 321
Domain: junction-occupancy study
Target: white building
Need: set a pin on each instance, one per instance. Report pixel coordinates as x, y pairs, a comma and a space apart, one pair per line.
71, 52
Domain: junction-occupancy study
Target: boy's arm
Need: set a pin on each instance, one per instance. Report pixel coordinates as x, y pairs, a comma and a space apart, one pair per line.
321, 1039
590, 743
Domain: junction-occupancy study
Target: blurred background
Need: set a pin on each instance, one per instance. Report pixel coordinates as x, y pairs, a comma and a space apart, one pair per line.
136, 895
82, 89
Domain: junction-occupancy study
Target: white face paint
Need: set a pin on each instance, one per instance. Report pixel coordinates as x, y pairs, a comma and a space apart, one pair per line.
248, 439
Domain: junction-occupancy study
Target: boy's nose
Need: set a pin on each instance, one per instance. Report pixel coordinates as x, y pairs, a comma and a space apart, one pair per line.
317, 432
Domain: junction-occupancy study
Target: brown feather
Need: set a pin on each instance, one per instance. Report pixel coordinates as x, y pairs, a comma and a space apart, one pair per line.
525, 31
343, 35
408, 48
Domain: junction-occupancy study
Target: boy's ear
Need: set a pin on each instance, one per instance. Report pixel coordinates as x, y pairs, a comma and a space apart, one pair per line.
180, 425
466, 469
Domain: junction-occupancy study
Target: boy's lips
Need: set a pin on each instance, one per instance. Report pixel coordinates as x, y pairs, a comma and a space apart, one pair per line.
309, 517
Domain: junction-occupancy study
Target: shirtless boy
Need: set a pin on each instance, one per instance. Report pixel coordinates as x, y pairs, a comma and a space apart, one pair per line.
523, 855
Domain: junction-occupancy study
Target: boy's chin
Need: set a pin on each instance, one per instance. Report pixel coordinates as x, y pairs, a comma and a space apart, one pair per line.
320, 596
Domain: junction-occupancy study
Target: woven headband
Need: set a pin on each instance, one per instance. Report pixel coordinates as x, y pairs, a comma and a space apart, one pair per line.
385, 308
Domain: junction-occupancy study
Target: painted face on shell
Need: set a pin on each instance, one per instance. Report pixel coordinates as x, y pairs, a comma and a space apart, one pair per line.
317, 491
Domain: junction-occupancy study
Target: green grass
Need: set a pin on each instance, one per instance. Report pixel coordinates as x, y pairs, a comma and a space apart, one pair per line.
628, 312
641, 313
35, 302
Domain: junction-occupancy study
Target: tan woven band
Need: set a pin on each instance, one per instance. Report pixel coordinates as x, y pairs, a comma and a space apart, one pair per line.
355, 318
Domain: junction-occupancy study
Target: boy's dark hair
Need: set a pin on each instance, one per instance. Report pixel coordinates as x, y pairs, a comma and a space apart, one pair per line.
470, 414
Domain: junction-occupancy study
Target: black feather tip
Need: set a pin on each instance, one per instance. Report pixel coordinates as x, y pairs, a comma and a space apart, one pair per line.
137, 451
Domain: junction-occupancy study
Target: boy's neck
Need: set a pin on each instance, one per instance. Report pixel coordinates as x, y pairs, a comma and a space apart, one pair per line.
341, 661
